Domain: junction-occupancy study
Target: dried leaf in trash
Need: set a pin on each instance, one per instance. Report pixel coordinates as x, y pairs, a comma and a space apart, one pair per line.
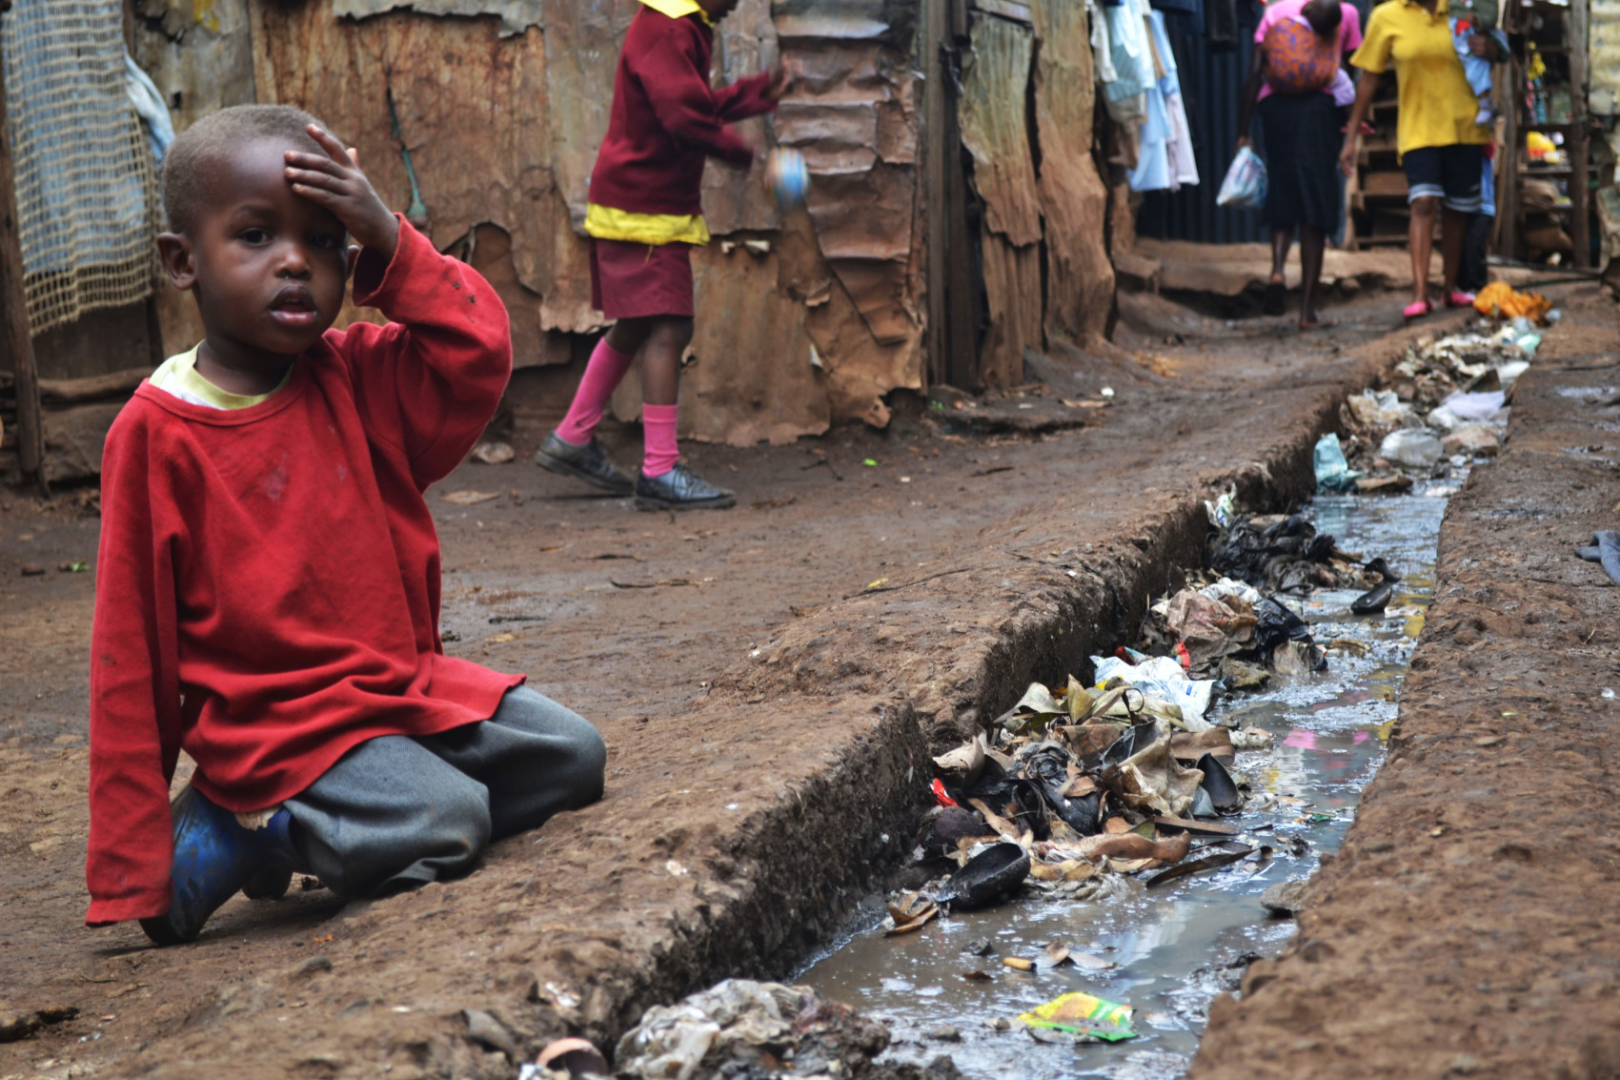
995, 820
1054, 955
1078, 700
1078, 787
1116, 825
1130, 866
470, 497
977, 975
915, 924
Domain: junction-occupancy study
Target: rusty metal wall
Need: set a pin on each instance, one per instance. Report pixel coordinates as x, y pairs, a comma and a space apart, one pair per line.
806, 317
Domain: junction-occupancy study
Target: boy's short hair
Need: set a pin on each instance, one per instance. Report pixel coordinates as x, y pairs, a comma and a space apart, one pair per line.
1324, 16
216, 136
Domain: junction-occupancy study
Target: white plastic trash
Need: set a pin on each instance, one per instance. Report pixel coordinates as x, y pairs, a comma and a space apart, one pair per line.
1414, 449
1163, 677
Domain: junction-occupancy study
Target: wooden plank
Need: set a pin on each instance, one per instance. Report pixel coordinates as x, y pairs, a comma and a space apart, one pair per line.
1580, 228
93, 387
18, 343
937, 157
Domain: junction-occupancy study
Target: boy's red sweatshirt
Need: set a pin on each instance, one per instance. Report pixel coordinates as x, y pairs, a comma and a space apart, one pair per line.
666, 120
267, 590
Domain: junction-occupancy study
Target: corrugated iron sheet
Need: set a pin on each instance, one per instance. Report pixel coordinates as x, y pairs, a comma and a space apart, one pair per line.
995, 78
1074, 201
995, 132
1211, 90
516, 16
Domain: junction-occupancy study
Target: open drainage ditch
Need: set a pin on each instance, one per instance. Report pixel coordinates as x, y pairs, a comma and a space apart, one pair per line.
1168, 951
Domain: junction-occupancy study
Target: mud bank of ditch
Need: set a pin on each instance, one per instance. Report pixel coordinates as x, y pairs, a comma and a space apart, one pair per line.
758, 819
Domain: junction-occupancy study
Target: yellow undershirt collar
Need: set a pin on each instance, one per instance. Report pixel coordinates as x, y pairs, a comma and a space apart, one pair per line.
178, 376
679, 9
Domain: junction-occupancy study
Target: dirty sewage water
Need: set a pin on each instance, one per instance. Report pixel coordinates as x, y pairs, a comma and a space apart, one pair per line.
1174, 948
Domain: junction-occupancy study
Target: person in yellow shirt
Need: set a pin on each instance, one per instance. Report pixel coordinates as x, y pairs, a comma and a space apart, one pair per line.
1440, 145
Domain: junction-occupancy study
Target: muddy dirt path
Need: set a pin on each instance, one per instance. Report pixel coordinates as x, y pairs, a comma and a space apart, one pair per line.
1468, 926
760, 698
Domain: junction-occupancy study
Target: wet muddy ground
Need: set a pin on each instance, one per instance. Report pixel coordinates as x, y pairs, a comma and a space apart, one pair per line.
759, 698
1167, 951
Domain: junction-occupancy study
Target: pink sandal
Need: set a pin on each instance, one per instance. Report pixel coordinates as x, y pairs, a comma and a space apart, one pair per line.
1458, 298
1417, 309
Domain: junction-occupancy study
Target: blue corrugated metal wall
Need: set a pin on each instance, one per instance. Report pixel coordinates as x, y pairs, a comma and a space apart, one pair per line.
1211, 90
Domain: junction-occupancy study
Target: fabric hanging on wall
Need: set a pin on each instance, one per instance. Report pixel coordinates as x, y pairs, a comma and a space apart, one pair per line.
1183, 163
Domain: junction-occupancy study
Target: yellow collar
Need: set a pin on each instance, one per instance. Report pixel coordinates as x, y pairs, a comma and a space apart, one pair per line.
679, 9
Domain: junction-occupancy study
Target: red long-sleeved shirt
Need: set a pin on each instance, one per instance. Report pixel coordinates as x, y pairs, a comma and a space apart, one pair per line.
666, 120
267, 589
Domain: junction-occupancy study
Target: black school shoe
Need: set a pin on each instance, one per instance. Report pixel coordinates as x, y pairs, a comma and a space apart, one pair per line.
589, 463
681, 489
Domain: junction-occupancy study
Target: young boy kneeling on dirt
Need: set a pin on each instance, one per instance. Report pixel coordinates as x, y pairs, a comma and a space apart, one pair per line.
268, 593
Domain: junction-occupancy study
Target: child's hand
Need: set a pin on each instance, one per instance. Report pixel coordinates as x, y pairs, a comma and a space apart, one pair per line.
783, 79
334, 181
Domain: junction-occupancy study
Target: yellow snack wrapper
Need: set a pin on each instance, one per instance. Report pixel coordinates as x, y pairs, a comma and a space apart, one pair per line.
1083, 1014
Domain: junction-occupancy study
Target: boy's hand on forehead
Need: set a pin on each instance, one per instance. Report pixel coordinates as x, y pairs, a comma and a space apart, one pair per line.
334, 180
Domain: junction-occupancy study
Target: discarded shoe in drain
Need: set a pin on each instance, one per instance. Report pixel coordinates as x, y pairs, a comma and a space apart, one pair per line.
1605, 549
1218, 783
1381, 568
989, 876
1374, 600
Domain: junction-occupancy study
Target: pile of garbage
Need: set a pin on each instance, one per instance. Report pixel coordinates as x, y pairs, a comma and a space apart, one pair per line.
1445, 404
1076, 786
745, 1030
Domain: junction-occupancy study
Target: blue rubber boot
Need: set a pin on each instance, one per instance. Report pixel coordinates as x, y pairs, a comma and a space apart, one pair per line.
214, 856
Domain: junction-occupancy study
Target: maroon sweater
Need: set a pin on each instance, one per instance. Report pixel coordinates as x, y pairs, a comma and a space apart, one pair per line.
267, 591
666, 120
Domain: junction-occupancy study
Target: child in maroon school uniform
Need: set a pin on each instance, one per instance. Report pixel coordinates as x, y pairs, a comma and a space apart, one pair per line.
644, 214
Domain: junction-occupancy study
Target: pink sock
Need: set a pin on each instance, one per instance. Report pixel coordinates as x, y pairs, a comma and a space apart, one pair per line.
602, 374
658, 429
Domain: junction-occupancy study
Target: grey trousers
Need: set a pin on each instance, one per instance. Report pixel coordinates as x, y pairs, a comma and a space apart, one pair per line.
397, 812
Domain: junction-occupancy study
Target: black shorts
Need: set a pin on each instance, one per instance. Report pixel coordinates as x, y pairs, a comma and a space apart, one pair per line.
1451, 174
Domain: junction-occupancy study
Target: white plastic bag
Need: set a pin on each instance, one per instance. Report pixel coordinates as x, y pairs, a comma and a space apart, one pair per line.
1245, 185
1163, 677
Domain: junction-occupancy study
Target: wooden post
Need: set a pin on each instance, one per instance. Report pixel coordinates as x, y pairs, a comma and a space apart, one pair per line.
937, 157
18, 342
1580, 226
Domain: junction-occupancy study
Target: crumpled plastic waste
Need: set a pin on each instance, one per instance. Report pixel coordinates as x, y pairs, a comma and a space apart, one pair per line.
1605, 549
1381, 409
1333, 472
1082, 1014
742, 1030
1278, 554
1414, 449
1161, 677
1501, 301
1152, 779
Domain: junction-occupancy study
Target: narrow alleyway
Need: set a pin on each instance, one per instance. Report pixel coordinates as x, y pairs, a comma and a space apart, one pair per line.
760, 676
